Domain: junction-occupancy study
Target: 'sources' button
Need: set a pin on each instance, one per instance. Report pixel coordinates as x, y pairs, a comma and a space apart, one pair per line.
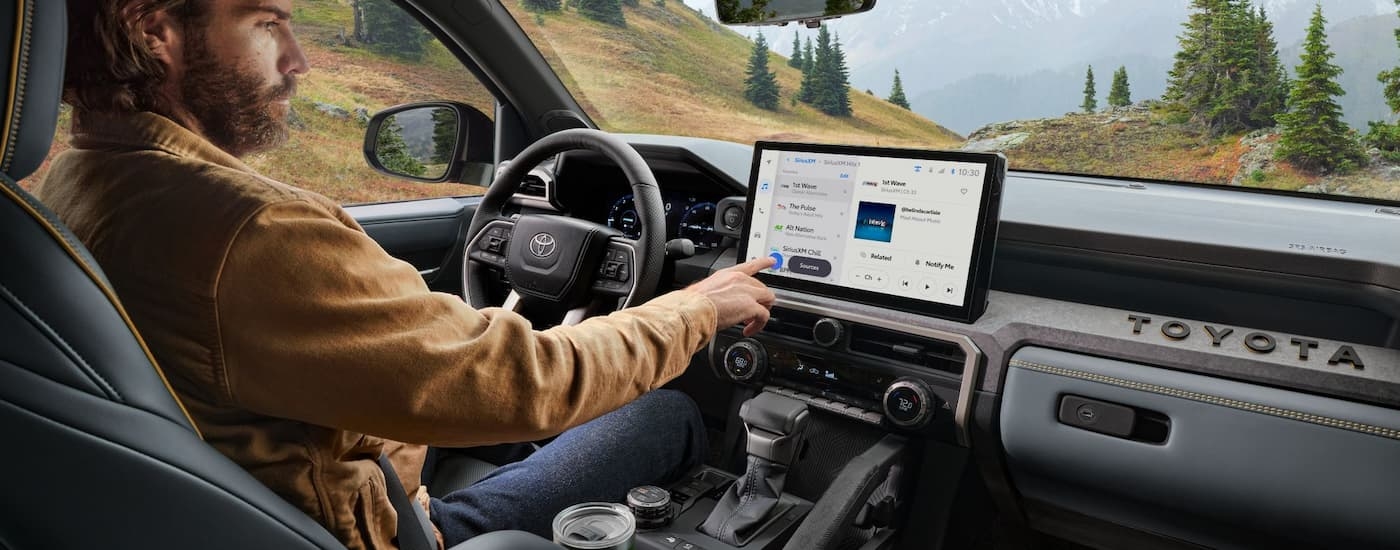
815, 267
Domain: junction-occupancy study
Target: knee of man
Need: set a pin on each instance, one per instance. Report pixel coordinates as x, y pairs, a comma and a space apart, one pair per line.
670, 404
677, 414
671, 411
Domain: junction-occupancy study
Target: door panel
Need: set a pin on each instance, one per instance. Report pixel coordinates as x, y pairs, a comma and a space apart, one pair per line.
425, 233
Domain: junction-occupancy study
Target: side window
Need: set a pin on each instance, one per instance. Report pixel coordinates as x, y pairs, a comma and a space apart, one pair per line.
365, 55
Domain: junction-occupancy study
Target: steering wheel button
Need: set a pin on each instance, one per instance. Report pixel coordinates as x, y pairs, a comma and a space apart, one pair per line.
622, 272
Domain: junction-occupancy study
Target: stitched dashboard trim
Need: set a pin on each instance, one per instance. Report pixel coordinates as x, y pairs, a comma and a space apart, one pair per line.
1270, 410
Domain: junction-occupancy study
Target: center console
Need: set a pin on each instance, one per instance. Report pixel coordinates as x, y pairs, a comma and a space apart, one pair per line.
713, 510
837, 404
902, 229
903, 379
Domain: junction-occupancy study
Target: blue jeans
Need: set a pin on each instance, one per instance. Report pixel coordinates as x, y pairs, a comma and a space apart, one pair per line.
652, 440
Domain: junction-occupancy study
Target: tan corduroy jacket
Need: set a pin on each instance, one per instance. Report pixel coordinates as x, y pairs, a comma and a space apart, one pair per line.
302, 350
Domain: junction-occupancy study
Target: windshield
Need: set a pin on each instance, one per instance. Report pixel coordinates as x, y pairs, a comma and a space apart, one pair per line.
1279, 94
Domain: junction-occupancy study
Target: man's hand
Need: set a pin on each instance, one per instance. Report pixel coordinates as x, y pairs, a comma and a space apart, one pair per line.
738, 297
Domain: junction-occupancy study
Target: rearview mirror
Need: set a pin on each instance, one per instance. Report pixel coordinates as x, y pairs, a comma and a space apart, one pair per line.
429, 142
778, 12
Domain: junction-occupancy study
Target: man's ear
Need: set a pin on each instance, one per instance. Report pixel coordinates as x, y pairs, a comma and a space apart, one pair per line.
160, 33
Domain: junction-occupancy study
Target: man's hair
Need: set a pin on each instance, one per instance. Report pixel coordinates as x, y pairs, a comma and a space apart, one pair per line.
109, 67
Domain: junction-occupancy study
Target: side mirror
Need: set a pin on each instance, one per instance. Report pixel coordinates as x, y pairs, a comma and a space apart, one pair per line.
428, 142
781, 12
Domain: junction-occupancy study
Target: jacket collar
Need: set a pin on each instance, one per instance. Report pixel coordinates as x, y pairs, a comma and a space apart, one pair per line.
147, 131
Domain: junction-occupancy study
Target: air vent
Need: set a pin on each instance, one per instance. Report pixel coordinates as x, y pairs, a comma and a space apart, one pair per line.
791, 323
534, 186
907, 349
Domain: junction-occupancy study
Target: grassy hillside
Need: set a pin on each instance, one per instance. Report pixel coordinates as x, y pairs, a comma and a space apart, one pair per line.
1138, 142
672, 71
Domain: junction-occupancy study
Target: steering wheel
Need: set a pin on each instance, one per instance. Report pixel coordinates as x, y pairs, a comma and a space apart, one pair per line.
562, 261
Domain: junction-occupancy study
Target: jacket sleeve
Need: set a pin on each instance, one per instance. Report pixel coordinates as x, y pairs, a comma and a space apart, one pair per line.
318, 324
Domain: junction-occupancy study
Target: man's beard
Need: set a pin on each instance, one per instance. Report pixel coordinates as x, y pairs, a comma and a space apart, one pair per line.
236, 109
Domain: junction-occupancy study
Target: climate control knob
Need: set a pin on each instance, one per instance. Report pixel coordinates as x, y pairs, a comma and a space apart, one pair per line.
827, 331
745, 360
909, 403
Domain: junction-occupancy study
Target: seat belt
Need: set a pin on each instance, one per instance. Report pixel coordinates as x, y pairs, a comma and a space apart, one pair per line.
415, 531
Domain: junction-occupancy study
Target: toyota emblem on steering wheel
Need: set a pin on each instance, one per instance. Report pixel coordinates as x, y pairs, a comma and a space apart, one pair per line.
542, 245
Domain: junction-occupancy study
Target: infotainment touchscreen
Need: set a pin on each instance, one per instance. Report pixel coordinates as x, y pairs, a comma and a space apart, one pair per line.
906, 229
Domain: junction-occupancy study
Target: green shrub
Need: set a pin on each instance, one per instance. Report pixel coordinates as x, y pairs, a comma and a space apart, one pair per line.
1383, 136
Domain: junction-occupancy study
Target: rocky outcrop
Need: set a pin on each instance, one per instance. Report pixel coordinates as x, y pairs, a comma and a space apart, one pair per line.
998, 143
332, 110
1003, 136
1258, 157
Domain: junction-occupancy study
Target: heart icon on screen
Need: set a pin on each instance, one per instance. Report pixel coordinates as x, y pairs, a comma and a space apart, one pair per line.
964, 190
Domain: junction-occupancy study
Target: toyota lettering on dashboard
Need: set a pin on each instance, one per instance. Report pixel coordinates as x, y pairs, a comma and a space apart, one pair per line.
902, 228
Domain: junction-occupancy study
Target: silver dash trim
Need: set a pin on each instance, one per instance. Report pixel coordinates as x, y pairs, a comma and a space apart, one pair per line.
972, 364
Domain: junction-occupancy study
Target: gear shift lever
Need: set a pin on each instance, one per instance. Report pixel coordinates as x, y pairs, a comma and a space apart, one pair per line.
774, 424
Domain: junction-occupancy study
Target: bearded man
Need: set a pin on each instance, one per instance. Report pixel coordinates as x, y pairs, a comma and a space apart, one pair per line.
301, 349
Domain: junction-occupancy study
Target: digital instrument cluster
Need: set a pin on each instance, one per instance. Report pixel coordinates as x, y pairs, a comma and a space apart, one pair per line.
688, 216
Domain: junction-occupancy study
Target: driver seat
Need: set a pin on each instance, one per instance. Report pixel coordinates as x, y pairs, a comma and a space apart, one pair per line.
102, 454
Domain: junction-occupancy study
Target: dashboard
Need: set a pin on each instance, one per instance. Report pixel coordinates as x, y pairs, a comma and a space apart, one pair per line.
590, 187
1230, 336
688, 216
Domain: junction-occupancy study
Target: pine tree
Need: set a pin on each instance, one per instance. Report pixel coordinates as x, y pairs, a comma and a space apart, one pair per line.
796, 60
809, 56
391, 31
1119, 94
444, 136
1227, 73
1391, 79
606, 11
826, 85
1192, 74
542, 5
1227, 109
761, 86
1270, 79
897, 92
1313, 135
1383, 135
392, 151
838, 81
1091, 103
808, 92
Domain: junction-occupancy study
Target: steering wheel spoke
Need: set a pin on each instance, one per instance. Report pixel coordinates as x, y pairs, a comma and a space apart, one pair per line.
491, 245
512, 302
616, 274
577, 315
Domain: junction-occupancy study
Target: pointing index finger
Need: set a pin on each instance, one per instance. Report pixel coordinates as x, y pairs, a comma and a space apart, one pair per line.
756, 265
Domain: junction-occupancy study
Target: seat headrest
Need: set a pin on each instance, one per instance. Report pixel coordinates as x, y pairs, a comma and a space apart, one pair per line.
31, 82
